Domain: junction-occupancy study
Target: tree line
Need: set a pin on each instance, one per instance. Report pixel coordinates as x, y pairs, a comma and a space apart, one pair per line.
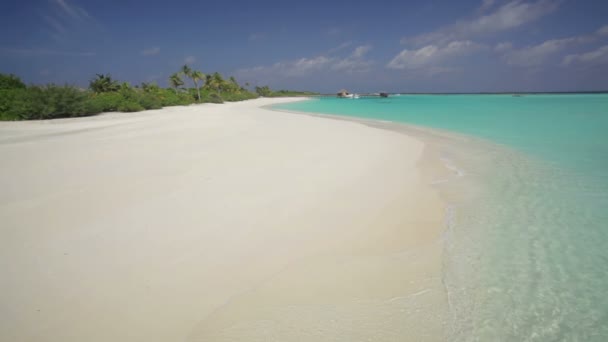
106, 94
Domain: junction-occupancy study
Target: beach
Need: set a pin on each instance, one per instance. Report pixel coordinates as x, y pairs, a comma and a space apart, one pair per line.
525, 192
209, 222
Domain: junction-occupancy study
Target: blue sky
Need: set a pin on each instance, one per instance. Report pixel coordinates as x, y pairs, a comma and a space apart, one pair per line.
416, 46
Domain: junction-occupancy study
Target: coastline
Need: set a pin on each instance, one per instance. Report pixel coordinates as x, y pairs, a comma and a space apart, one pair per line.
512, 236
216, 222
458, 168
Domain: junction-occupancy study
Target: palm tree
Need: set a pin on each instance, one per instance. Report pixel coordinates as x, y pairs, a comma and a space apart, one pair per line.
196, 77
103, 83
149, 87
219, 82
234, 85
186, 70
211, 82
176, 81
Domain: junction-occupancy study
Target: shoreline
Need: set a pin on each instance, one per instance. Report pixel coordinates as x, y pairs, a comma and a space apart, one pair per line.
319, 242
453, 164
504, 203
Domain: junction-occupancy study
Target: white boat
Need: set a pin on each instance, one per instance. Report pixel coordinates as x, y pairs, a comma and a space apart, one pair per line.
344, 94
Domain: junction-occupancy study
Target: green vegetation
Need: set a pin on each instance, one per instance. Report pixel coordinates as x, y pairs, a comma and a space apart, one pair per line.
103, 84
105, 94
267, 92
11, 82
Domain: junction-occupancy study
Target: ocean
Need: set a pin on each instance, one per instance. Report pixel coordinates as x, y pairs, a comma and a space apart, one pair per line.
526, 254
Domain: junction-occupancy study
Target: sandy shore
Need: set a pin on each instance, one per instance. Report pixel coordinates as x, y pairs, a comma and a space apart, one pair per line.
217, 223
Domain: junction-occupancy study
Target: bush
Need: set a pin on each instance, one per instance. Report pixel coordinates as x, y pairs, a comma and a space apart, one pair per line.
13, 104
215, 98
7, 104
263, 91
150, 101
240, 96
130, 106
65, 101
128, 93
103, 84
104, 102
18, 102
10, 82
40, 103
168, 97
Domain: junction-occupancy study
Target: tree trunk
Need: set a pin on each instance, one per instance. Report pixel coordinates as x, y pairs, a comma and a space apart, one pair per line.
198, 91
175, 90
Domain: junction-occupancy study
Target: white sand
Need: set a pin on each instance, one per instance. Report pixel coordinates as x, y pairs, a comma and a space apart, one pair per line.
216, 223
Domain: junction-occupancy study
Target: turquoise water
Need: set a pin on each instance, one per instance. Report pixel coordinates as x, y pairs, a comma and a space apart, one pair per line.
528, 255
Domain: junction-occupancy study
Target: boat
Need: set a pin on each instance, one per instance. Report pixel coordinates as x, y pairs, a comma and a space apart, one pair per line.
344, 94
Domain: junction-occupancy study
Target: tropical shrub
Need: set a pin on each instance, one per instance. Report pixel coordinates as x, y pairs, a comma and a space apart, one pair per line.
19, 102
13, 104
263, 91
7, 104
46, 102
103, 102
64, 101
130, 106
240, 96
10, 82
215, 98
149, 101
170, 98
103, 84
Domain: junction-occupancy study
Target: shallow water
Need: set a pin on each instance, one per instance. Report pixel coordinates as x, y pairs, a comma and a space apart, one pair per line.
525, 253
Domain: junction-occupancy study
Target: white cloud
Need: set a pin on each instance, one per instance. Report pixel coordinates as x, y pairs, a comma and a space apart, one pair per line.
355, 62
603, 31
72, 10
295, 68
536, 55
65, 19
151, 51
429, 56
502, 47
598, 56
486, 5
339, 48
360, 51
506, 17
302, 67
189, 60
